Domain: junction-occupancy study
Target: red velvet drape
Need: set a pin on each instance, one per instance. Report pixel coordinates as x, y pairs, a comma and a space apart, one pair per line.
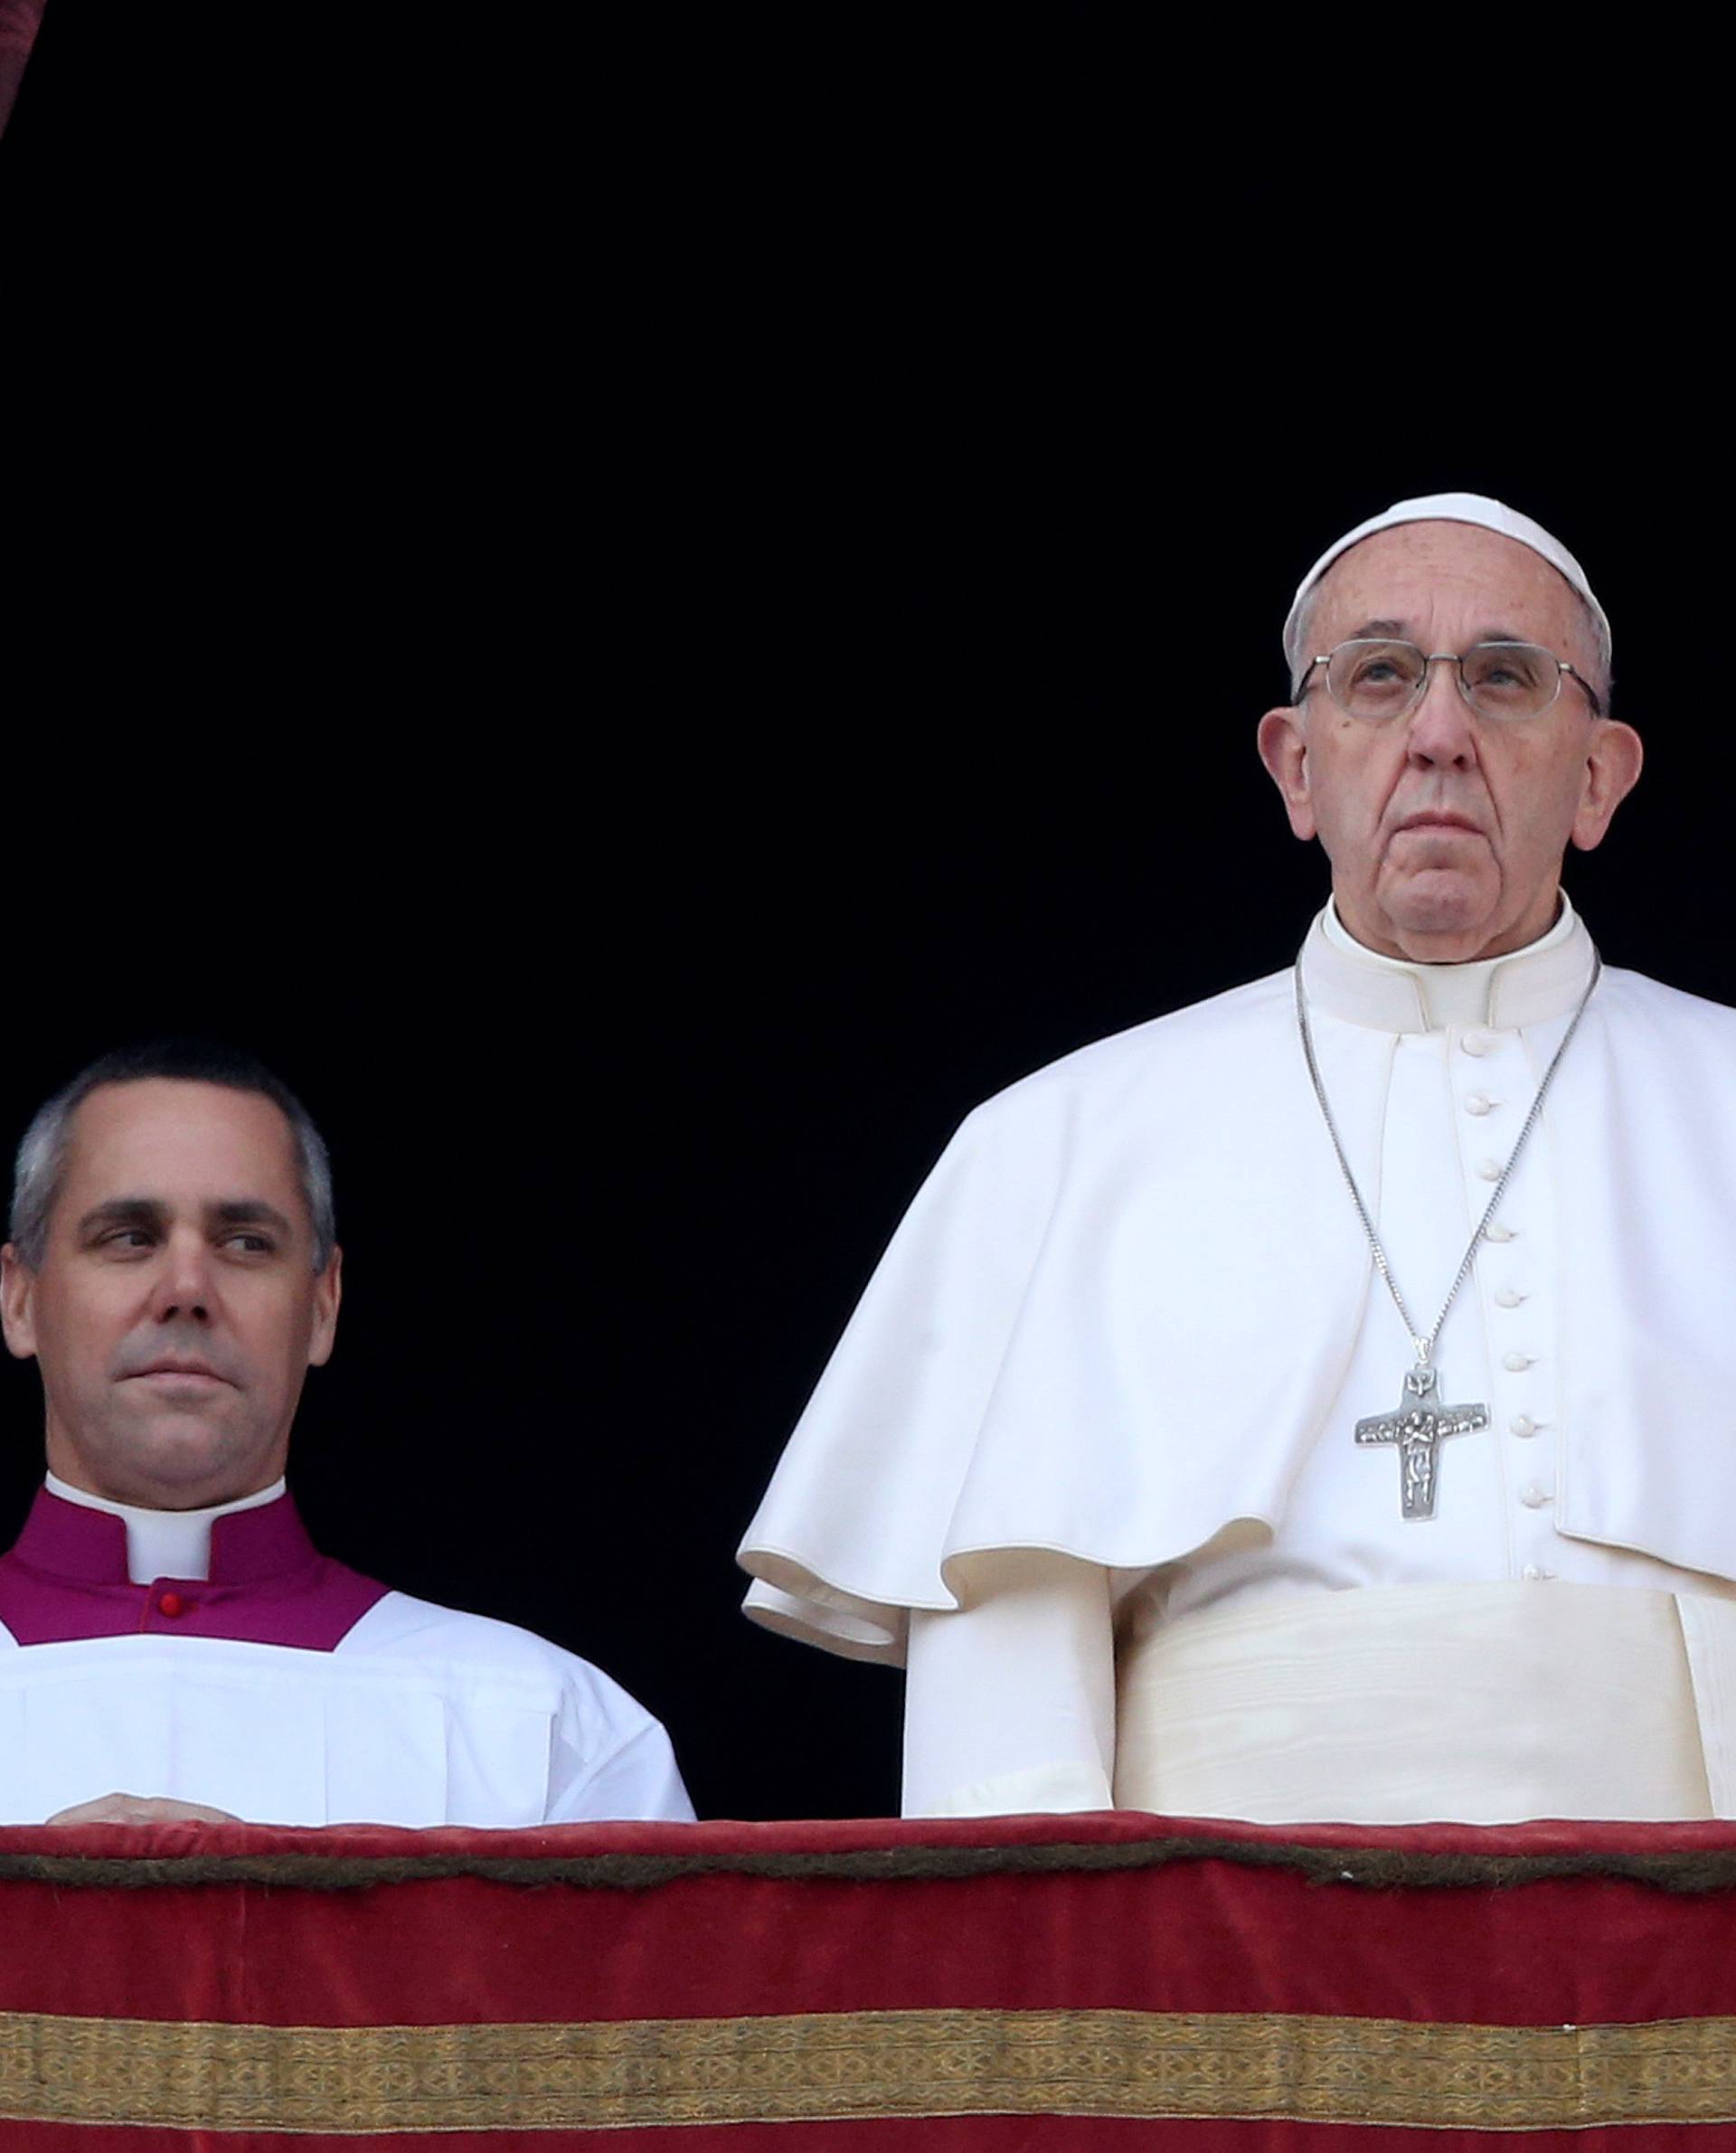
1060, 1984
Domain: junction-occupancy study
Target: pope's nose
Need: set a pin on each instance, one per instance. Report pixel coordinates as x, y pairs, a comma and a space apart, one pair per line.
1442, 727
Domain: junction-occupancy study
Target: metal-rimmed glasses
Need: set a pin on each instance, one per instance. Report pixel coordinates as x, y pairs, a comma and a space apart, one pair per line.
1377, 680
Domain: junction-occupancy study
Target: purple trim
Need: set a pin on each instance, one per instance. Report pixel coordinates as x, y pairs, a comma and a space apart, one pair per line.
66, 1578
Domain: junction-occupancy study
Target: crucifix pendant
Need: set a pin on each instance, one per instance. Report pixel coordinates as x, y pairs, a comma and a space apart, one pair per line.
1417, 1428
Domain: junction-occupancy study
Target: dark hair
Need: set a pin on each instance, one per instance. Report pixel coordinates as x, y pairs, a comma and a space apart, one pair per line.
41, 1156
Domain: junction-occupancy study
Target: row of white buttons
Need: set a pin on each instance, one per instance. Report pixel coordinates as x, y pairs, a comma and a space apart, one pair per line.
1533, 1495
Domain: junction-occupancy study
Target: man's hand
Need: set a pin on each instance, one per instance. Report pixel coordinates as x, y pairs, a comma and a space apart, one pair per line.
141, 1808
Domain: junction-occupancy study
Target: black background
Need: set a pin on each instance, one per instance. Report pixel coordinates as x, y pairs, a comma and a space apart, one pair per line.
647, 680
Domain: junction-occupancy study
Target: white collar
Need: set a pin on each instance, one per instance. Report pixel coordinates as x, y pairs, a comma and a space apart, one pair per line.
166, 1543
1531, 986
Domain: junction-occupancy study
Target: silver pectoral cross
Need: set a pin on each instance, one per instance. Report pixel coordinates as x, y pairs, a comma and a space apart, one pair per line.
1417, 1428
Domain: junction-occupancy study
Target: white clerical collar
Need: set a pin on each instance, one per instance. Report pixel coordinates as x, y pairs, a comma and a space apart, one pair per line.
166, 1543
1545, 979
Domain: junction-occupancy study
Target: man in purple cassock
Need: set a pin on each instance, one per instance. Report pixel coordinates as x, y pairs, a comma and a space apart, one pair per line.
172, 1643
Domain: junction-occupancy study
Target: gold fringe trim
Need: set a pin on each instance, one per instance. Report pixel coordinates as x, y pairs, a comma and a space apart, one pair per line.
828, 2066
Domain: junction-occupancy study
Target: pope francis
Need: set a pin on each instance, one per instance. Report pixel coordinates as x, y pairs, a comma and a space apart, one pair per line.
1316, 1404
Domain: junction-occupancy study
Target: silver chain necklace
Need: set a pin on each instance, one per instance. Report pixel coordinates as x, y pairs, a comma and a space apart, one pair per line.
1422, 1420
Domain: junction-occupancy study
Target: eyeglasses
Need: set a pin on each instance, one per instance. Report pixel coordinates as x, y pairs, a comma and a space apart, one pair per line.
1377, 681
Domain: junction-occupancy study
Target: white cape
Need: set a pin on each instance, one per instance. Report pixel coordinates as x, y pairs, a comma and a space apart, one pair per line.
1117, 1315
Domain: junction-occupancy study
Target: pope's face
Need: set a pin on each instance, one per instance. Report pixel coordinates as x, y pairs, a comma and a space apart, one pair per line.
1446, 830
176, 1310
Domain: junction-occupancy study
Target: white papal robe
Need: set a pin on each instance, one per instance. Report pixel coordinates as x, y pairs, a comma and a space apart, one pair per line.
1101, 1391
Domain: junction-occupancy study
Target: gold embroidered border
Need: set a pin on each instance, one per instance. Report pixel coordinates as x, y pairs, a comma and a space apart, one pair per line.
831, 2066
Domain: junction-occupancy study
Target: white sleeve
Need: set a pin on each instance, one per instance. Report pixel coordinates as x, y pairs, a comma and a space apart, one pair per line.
637, 1777
599, 1752
1009, 1703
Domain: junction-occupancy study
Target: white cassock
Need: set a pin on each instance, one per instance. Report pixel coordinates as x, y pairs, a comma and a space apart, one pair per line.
404, 1713
1085, 1461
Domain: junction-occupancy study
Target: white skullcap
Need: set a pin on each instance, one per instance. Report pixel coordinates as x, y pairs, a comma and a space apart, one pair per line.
1456, 508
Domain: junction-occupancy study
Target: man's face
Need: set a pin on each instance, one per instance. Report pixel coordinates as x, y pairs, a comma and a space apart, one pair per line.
1446, 830
176, 1310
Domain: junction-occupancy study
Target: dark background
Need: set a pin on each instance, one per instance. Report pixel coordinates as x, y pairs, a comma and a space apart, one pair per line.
648, 685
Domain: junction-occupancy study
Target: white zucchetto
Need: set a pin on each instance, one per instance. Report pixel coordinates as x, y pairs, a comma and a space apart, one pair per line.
1456, 508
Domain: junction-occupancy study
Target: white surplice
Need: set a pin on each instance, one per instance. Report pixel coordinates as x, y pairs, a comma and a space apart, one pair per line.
422, 1715
418, 1714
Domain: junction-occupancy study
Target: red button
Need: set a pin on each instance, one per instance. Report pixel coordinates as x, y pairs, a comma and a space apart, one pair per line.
171, 1604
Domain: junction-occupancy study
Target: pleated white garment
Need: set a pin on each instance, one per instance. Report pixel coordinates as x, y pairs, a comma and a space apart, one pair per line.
422, 1716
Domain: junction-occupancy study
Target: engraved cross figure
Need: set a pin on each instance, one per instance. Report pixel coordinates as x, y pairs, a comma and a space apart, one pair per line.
1417, 1428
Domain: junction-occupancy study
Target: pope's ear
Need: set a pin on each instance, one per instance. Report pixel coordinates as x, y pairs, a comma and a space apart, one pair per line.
17, 1299
1284, 750
1612, 768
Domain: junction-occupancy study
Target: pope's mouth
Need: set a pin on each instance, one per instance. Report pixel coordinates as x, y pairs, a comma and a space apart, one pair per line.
1437, 826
